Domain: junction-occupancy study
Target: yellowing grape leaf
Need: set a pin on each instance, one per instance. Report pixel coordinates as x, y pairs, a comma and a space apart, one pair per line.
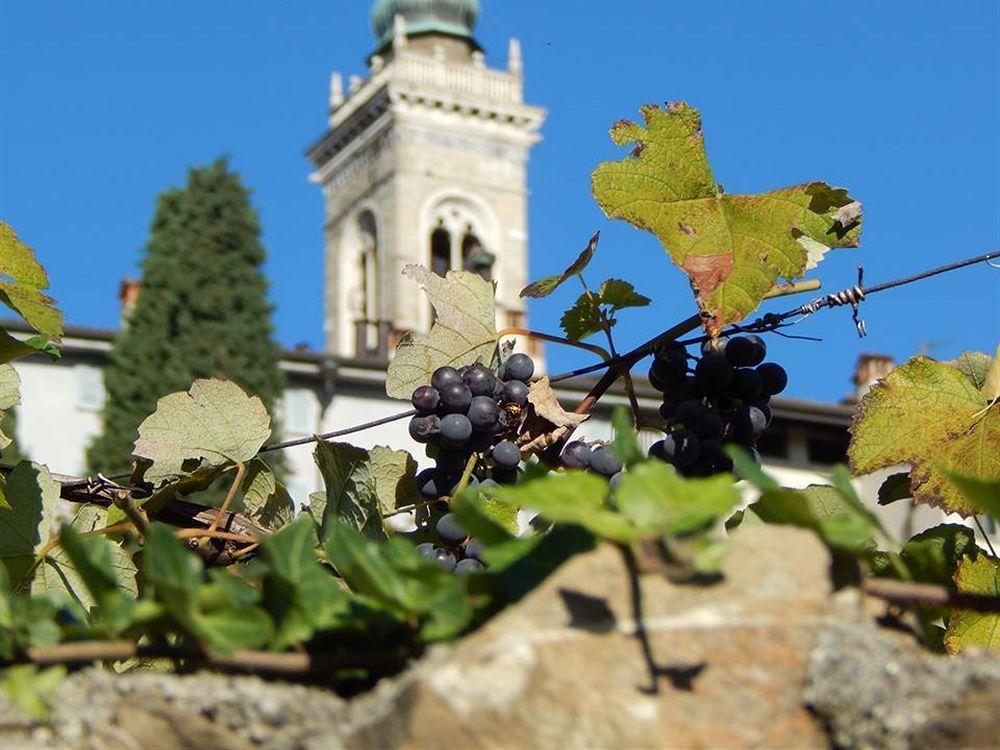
974, 365
966, 629
211, 424
991, 383
545, 286
932, 416
22, 280
10, 396
733, 248
463, 333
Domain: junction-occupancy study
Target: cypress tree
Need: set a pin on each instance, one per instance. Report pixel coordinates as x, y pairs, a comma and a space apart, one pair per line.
202, 310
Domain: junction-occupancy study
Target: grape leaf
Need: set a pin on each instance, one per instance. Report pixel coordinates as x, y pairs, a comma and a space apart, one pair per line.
10, 396
363, 485
974, 365
984, 494
33, 496
932, 555
966, 629
463, 333
32, 687
584, 318
400, 578
545, 286
92, 565
177, 575
22, 280
733, 248
265, 499
991, 383
930, 415
211, 424
656, 500
300, 595
545, 405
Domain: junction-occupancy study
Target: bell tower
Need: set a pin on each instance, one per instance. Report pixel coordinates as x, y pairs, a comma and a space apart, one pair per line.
424, 161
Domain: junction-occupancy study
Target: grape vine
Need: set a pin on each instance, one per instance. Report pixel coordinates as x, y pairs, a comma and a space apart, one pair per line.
99, 569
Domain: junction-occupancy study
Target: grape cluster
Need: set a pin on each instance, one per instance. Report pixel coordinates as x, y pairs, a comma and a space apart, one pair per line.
724, 399
597, 458
464, 412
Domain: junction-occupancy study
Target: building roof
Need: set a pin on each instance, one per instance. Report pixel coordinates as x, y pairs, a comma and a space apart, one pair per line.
452, 17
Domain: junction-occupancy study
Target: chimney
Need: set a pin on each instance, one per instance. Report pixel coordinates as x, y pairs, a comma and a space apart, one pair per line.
128, 293
869, 369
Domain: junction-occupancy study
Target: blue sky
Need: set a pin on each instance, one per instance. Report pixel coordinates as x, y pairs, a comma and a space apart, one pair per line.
105, 104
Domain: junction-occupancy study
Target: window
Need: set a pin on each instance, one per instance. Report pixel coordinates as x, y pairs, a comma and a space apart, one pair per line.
89, 388
440, 251
298, 412
475, 257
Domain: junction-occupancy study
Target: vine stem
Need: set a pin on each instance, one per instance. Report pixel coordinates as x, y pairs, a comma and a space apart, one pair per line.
240, 471
337, 433
929, 595
243, 660
215, 534
593, 348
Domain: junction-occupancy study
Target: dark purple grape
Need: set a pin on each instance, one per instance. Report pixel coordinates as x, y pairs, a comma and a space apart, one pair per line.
455, 398
425, 429
716, 346
603, 461
468, 565
474, 550
713, 374
498, 386
480, 380
425, 399
426, 550
506, 454
657, 450
576, 455
480, 442
616, 479
443, 376
452, 462
773, 378
430, 484
519, 367
765, 407
515, 392
709, 425
745, 351
748, 422
504, 476
746, 384
450, 530
688, 412
444, 558
681, 448
456, 429
483, 413
667, 410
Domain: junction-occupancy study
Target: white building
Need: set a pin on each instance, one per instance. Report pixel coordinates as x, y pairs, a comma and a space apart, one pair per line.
424, 161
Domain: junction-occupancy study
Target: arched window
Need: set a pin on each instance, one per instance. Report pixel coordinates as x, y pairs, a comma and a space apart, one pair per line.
475, 257
440, 251
368, 258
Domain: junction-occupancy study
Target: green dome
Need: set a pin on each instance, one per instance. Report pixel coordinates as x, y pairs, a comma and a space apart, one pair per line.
454, 17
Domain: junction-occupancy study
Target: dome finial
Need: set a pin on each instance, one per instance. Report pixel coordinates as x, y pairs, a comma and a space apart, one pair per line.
450, 17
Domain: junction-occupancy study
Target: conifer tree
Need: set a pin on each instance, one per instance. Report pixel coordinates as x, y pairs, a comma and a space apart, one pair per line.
202, 310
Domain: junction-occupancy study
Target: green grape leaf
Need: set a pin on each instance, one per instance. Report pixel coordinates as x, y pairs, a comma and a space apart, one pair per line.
33, 499
930, 415
574, 497
583, 319
544, 287
363, 485
22, 280
656, 500
74, 570
106, 573
395, 575
618, 295
974, 365
932, 556
966, 629
32, 687
177, 577
984, 494
299, 594
733, 248
895, 487
10, 396
463, 333
211, 424
265, 499
824, 510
